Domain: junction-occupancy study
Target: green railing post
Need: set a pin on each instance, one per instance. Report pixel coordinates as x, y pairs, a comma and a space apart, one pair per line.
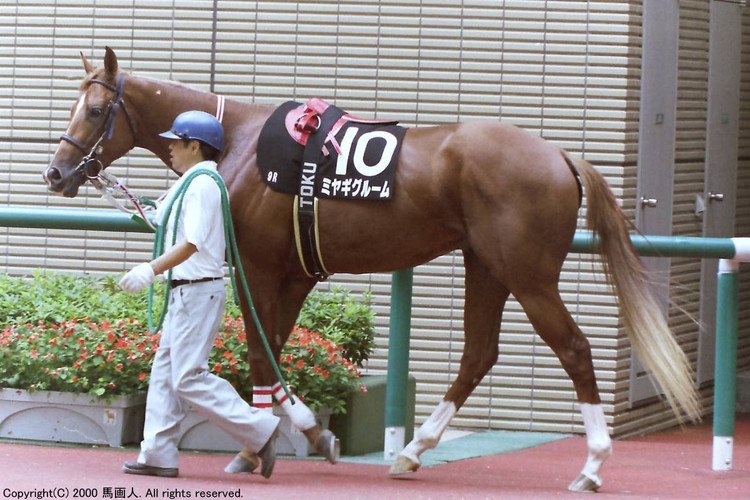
725, 370
397, 378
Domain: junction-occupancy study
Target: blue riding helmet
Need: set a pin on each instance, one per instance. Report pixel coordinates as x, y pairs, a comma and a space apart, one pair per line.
197, 125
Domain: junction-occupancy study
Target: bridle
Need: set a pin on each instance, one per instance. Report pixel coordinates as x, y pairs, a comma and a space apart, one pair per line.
90, 165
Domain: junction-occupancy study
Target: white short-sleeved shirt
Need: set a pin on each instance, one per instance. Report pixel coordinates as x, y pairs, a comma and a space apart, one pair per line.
201, 223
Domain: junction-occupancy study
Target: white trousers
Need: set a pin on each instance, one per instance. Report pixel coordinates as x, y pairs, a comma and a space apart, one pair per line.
180, 378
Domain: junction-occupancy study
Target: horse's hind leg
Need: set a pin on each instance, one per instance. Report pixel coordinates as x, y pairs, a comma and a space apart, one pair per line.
485, 299
552, 321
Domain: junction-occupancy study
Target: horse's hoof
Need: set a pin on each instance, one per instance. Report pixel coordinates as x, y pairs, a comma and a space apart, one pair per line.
328, 445
403, 465
240, 464
584, 484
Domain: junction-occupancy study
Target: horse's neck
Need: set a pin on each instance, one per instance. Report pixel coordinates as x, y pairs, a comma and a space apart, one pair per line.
157, 103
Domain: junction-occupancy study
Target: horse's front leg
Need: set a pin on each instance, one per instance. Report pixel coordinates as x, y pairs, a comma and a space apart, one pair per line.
485, 299
291, 297
278, 317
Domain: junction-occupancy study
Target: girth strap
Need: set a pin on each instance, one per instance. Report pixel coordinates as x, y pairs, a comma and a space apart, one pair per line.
305, 203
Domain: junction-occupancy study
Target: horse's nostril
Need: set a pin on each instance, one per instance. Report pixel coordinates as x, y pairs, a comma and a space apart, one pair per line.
52, 175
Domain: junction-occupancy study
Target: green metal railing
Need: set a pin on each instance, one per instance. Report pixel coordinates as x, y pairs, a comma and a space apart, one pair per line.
731, 251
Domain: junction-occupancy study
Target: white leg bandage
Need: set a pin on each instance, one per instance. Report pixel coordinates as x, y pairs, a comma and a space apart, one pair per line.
301, 416
428, 434
263, 397
597, 440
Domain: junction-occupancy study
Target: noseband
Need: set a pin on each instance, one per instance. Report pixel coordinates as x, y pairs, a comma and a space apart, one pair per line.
90, 166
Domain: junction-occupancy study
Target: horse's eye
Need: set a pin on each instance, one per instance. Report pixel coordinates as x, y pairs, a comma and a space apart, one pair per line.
95, 112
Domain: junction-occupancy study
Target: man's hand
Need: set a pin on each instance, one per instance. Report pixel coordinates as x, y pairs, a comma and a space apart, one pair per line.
138, 278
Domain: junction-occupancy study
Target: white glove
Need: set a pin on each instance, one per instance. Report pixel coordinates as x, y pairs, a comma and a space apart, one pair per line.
138, 278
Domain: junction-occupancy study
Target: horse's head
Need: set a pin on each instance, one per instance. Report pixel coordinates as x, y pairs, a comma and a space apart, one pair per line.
90, 143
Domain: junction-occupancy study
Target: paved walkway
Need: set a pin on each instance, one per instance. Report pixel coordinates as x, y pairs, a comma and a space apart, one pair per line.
675, 464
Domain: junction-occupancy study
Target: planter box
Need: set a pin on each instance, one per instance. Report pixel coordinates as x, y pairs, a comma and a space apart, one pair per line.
199, 433
71, 418
362, 428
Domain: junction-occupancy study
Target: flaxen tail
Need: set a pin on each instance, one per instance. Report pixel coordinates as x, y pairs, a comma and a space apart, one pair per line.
644, 320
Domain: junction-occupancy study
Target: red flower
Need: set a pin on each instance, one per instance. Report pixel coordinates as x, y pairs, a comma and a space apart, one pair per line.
142, 376
300, 364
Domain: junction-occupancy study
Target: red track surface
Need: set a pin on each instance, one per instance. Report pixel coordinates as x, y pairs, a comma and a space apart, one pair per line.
675, 464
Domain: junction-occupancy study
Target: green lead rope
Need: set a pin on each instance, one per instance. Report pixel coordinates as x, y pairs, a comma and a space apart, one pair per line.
233, 260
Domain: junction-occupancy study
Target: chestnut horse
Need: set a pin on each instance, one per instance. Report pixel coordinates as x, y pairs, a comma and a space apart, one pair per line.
507, 199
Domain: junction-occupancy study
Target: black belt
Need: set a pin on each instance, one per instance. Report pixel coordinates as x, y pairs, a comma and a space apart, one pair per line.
176, 283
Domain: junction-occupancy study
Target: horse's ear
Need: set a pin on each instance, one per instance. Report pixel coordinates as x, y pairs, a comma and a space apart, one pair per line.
110, 62
86, 64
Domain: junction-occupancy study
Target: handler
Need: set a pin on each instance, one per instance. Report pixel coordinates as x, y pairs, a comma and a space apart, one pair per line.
179, 375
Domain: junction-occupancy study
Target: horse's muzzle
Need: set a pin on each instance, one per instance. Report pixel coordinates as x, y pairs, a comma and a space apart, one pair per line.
52, 177
57, 183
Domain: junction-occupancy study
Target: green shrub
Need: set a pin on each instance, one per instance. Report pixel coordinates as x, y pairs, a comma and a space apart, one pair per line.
338, 316
84, 357
85, 335
342, 319
55, 297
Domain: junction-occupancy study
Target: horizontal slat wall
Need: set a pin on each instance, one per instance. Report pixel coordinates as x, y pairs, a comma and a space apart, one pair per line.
565, 73
568, 70
743, 193
559, 68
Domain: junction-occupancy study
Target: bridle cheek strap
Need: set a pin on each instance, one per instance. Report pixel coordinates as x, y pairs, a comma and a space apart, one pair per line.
116, 104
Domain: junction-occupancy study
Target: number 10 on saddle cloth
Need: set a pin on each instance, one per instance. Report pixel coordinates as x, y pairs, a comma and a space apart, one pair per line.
318, 150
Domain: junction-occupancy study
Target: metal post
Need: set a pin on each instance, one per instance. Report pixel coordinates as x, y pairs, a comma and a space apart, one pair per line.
725, 370
397, 378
